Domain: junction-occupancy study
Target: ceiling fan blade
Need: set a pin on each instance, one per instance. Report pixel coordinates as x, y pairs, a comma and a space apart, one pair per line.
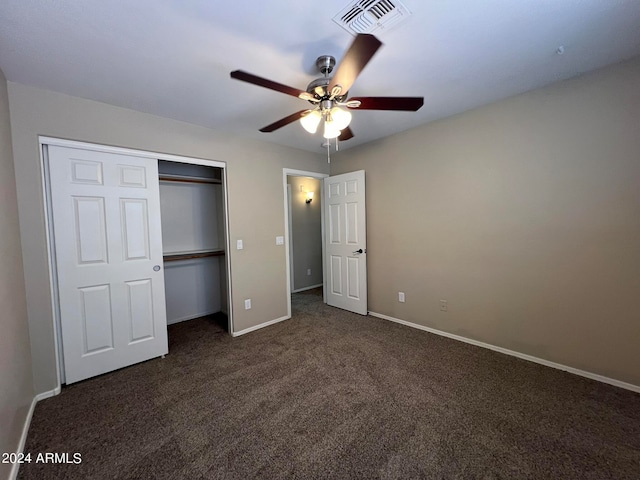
346, 134
409, 104
360, 52
284, 121
263, 82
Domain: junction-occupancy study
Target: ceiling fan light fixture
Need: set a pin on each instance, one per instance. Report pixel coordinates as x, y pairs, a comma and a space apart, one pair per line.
341, 118
311, 121
330, 130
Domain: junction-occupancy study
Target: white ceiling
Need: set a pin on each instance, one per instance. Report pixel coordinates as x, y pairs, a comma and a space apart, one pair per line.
173, 57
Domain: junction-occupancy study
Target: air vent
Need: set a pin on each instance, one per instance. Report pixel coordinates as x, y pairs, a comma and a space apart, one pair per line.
367, 16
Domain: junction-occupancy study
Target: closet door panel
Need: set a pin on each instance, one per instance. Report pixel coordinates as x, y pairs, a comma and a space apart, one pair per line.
90, 230
96, 318
135, 228
107, 234
140, 311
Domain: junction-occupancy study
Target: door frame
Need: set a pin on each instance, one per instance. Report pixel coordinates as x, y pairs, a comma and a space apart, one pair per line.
287, 234
48, 219
290, 226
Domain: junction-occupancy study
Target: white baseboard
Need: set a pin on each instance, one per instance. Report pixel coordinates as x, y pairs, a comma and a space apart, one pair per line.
262, 325
524, 356
13, 474
50, 393
306, 288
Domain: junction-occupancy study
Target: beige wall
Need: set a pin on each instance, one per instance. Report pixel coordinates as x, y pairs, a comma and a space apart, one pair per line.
524, 215
306, 235
255, 194
16, 381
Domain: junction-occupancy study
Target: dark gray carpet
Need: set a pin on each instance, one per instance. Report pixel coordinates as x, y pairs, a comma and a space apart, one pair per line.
330, 394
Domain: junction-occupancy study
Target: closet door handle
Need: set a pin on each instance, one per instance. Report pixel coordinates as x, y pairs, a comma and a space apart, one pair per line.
156, 268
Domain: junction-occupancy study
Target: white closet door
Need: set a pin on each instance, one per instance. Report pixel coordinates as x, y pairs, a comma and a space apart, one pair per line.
108, 248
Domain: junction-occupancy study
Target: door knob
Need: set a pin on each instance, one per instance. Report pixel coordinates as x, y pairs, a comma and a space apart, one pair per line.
358, 251
156, 268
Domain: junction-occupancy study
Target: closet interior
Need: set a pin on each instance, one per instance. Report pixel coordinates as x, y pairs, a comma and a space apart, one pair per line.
193, 238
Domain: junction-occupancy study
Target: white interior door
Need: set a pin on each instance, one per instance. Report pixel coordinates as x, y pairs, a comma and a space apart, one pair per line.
108, 249
346, 242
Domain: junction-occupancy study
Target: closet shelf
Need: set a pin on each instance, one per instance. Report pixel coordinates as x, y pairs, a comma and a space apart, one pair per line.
174, 256
186, 179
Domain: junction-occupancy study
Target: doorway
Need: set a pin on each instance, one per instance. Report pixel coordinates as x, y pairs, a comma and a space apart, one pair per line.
304, 230
342, 202
193, 237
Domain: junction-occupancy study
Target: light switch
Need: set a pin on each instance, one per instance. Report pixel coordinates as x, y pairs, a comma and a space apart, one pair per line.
279, 240
239, 245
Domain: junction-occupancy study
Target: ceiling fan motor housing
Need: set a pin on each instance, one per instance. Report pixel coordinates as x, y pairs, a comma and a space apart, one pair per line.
325, 64
318, 87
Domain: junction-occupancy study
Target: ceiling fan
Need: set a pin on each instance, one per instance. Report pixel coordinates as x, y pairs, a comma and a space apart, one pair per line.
328, 95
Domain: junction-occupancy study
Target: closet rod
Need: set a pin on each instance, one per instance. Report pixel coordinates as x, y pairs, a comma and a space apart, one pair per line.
178, 178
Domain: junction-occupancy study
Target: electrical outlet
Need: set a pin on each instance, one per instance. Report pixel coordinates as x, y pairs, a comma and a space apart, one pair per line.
444, 306
401, 297
308, 271
247, 304
279, 240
